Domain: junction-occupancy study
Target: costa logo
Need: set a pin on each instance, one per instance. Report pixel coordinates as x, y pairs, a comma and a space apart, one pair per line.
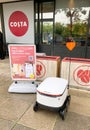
40, 69
18, 23
82, 75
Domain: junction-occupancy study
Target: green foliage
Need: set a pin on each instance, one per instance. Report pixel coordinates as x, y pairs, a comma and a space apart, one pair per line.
78, 29
58, 28
47, 27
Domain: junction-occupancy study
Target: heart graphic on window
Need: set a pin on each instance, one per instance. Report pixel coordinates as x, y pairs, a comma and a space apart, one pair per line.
70, 45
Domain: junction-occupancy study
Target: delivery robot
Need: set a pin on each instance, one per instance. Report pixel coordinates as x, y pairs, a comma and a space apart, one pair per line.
52, 94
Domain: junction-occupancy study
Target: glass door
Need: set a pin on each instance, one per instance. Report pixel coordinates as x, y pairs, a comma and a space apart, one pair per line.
44, 22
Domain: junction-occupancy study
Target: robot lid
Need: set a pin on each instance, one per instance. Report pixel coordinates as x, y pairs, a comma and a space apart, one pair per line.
53, 86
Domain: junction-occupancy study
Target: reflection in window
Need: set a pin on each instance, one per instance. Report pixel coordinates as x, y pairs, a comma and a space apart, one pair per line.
71, 22
47, 32
44, 19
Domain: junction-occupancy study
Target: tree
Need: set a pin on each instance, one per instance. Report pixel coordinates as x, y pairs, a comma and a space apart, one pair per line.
74, 14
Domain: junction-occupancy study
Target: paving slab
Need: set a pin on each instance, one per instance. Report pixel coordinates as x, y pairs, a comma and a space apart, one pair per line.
80, 105
13, 109
73, 121
6, 124
21, 127
40, 120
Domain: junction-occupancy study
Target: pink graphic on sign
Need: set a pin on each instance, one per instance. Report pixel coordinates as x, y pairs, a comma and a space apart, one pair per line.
82, 75
18, 23
40, 69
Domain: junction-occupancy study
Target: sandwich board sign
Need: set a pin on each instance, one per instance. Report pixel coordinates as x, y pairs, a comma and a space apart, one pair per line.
22, 64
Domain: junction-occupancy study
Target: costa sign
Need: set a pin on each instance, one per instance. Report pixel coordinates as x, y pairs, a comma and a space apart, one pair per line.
18, 23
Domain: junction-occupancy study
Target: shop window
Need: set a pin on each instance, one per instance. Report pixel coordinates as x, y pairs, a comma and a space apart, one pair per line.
71, 20
44, 21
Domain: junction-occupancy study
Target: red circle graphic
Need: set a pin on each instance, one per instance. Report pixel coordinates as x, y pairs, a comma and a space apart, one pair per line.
18, 23
81, 75
40, 69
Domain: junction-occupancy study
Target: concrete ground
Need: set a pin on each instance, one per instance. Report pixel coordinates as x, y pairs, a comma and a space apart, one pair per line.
16, 110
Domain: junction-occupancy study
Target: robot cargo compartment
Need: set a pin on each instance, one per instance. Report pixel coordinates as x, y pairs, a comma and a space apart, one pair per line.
52, 101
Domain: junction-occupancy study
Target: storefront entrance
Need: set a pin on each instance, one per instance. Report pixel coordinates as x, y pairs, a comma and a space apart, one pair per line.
55, 22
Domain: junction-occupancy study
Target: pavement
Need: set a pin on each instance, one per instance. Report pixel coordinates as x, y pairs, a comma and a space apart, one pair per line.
16, 109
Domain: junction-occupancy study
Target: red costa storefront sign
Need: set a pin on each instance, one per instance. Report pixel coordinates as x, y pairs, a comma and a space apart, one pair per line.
18, 23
